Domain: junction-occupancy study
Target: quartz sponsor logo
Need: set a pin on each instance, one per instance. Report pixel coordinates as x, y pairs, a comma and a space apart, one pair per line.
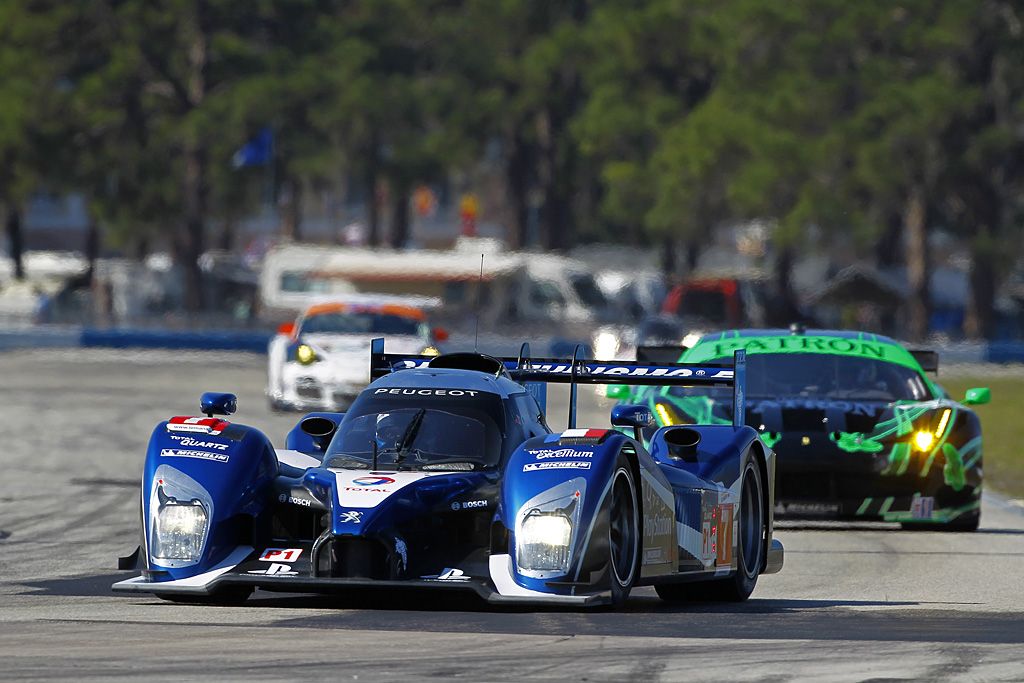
196, 443
556, 465
202, 455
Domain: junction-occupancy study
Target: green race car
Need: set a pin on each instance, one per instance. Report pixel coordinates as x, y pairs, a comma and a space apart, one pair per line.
859, 429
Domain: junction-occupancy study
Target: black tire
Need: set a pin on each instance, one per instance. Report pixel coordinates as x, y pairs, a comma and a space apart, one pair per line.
750, 551
623, 532
227, 596
965, 523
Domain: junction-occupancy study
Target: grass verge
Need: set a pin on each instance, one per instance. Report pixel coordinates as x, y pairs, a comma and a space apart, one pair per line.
1002, 426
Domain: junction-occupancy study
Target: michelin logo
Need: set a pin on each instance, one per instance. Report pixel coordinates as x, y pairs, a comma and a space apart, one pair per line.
557, 465
203, 455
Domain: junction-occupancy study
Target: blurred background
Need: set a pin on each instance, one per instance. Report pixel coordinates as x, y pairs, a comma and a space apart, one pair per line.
575, 171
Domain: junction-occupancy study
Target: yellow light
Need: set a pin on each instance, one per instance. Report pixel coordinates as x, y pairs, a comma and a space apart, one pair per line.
943, 421
924, 440
430, 351
305, 354
669, 415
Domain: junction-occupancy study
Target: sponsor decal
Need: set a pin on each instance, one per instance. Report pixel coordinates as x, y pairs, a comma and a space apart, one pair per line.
655, 525
351, 516
373, 481
850, 407
197, 425
636, 371
560, 453
403, 552
285, 498
275, 570
202, 455
469, 504
921, 507
725, 527
280, 554
426, 392
803, 343
556, 465
448, 575
196, 443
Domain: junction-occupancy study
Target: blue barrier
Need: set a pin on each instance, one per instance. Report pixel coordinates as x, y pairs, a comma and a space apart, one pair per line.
229, 340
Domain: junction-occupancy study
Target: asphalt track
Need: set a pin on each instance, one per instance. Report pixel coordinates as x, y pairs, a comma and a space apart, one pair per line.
853, 603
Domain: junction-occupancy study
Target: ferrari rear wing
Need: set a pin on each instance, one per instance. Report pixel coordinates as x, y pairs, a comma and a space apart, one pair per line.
536, 373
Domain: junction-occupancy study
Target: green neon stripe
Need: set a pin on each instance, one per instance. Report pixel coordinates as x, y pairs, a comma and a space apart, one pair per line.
885, 506
864, 506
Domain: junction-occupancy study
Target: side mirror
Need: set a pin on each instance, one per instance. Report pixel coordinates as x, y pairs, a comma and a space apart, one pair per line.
214, 403
287, 329
633, 416
977, 396
616, 391
440, 334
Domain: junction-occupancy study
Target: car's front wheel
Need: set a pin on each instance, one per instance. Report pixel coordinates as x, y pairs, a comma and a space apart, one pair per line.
623, 532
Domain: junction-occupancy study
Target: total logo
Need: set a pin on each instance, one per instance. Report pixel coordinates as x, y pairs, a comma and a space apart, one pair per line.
373, 481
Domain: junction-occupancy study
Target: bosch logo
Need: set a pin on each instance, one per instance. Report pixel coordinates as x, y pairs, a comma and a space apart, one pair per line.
373, 481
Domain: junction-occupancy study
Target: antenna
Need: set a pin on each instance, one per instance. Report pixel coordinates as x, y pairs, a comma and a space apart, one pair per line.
479, 298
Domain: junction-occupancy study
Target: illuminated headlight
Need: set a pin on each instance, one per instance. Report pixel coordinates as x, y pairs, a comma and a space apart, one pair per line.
178, 531
430, 351
924, 440
543, 543
606, 345
305, 355
669, 415
690, 340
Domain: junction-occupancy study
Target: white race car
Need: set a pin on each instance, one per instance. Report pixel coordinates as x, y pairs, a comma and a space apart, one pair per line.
319, 362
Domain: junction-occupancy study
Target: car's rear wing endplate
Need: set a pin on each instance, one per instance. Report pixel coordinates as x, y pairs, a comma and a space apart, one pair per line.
526, 371
927, 359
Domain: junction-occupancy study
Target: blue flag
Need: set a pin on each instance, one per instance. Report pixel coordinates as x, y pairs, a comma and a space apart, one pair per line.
258, 151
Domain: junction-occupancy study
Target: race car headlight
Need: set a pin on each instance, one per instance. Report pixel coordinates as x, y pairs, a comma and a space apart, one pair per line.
430, 351
179, 530
544, 542
305, 354
669, 415
923, 440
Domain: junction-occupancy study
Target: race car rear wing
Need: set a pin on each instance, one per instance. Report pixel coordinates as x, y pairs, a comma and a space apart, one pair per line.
535, 374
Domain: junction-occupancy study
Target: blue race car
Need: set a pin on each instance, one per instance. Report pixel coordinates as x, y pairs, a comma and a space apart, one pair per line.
444, 475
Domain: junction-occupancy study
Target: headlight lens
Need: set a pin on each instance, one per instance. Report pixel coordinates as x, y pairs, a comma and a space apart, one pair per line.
430, 351
304, 354
543, 542
179, 531
923, 440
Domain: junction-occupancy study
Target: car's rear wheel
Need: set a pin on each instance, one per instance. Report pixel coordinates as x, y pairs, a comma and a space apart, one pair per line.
750, 551
623, 532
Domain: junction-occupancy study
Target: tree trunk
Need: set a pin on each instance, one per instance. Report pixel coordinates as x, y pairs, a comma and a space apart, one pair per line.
15, 242
918, 268
979, 318
291, 223
516, 178
195, 185
400, 215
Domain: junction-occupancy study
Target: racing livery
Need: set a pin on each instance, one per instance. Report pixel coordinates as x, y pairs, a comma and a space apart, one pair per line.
860, 430
444, 475
319, 361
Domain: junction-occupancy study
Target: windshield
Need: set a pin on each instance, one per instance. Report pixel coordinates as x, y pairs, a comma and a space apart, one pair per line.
349, 322
444, 433
823, 375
